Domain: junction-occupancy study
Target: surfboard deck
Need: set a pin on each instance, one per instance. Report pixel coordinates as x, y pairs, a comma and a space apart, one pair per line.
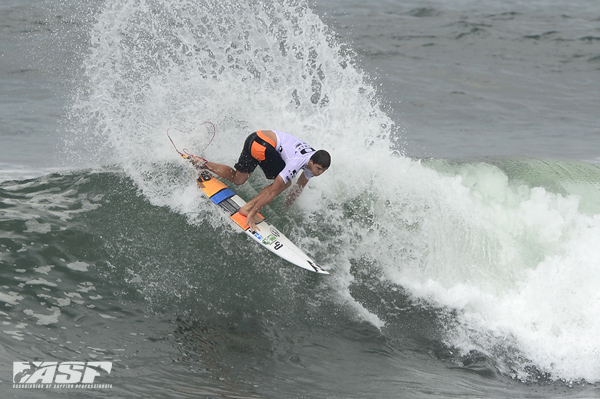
267, 235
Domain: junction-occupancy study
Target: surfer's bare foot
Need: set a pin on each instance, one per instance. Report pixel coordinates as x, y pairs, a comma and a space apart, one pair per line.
198, 162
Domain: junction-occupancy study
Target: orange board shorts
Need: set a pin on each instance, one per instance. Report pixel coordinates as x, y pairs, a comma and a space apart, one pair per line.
259, 150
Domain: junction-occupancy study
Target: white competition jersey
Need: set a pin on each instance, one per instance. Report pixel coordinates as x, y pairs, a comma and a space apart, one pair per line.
295, 153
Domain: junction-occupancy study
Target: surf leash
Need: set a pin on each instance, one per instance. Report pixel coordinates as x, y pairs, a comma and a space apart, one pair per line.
186, 154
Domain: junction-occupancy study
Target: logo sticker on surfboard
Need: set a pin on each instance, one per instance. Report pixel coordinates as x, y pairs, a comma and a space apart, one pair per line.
269, 240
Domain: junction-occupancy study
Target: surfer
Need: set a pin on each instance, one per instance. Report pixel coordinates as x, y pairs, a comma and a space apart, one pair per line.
280, 156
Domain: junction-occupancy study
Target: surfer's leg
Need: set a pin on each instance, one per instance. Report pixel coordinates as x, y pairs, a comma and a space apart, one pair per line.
244, 167
227, 172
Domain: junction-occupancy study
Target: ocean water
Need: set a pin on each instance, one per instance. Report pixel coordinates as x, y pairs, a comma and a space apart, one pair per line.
459, 220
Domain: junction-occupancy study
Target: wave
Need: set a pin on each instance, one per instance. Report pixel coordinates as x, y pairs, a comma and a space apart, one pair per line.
521, 266
505, 249
493, 266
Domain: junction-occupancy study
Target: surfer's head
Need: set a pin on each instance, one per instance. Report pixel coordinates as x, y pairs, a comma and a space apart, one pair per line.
319, 162
322, 158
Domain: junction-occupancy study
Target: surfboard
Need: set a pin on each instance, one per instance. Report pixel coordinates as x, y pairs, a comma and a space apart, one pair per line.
267, 235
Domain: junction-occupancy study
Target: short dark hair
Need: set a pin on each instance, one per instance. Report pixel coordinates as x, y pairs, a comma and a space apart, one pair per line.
322, 158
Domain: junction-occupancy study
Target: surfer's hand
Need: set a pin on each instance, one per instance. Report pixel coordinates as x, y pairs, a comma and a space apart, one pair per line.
251, 221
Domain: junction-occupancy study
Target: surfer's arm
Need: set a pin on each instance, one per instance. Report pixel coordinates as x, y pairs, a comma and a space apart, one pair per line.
296, 190
263, 199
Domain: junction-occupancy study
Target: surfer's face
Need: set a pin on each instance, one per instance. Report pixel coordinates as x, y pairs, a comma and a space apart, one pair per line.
316, 169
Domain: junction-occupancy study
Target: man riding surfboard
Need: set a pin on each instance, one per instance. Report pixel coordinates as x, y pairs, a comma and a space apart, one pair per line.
280, 156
